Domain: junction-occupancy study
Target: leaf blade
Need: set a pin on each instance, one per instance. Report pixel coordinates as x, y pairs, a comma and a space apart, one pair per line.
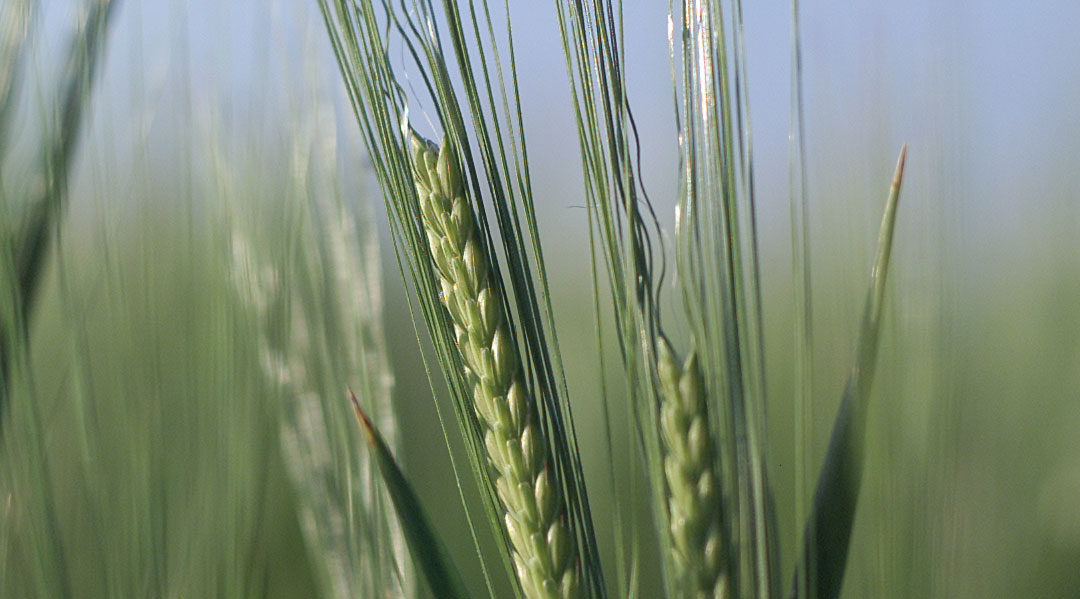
426, 548
827, 533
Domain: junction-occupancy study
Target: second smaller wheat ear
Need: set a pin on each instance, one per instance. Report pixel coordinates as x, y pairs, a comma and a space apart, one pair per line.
693, 496
534, 511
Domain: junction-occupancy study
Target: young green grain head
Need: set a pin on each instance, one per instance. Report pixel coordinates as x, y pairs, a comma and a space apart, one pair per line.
544, 549
694, 498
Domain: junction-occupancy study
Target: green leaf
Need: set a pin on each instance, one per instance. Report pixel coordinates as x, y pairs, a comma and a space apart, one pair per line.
828, 532
426, 548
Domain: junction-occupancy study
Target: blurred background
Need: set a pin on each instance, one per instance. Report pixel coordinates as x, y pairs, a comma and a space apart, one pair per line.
193, 132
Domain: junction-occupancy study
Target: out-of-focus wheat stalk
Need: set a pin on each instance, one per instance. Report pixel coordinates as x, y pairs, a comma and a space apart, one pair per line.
318, 310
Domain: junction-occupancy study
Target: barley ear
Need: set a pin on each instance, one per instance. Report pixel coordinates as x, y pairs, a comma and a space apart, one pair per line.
693, 490
544, 550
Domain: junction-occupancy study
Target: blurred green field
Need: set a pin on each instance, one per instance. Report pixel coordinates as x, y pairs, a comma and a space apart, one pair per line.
146, 368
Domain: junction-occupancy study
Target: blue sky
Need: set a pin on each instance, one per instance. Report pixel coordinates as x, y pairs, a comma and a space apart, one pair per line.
986, 94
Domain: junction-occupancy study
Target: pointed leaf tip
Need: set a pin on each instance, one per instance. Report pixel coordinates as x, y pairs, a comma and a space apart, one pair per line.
426, 548
898, 175
361, 417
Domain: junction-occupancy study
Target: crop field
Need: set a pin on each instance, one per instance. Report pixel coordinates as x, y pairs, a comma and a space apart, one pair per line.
345, 298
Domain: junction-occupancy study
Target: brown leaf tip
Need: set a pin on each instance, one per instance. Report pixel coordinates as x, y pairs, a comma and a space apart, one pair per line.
362, 418
898, 176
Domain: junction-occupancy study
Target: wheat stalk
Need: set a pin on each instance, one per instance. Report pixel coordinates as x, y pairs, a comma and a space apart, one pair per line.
544, 550
693, 490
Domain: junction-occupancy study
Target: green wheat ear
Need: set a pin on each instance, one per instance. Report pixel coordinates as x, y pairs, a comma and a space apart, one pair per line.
693, 497
544, 550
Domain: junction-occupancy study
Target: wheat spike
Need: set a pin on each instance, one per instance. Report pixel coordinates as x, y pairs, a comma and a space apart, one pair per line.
693, 490
544, 550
